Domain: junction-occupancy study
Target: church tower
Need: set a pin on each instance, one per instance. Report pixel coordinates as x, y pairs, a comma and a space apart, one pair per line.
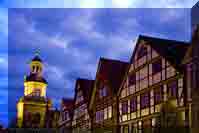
32, 108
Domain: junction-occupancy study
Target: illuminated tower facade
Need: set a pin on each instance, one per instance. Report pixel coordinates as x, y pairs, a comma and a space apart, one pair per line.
33, 107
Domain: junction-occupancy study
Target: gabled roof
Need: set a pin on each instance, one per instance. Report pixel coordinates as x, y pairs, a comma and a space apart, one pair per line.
172, 50
86, 86
112, 72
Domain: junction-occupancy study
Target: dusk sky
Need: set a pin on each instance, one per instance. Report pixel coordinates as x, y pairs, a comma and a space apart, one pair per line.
71, 41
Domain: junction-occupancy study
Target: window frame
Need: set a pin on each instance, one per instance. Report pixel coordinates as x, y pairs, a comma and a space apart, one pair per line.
132, 108
157, 63
170, 90
158, 90
126, 107
143, 100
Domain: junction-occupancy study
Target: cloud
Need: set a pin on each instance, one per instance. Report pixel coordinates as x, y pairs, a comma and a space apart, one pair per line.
103, 4
4, 21
152, 4
91, 3
3, 62
123, 4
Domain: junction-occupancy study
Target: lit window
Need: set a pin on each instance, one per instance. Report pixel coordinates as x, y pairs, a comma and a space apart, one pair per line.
126, 129
172, 89
105, 113
109, 111
36, 92
157, 66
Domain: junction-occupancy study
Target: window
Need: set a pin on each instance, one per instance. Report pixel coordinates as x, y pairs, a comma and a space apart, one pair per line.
33, 69
126, 129
158, 95
132, 79
67, 115
99, 116
142, 52
172, 89
125, 107
103, 92
105, 113
133, 103
157, 66
109, 111
79, 97
145, 100
36, 92
37, 69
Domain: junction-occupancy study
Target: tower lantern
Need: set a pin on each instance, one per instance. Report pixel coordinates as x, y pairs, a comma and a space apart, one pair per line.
31, 108
36, 65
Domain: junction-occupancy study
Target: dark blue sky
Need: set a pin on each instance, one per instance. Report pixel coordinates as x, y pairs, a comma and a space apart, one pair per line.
71, 42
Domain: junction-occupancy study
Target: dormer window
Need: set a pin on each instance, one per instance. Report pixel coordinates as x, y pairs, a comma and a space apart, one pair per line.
142, 52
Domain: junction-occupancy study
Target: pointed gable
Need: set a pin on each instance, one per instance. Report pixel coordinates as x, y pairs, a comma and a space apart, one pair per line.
148, 48
171, 50
67, 105
83, 88
111, 72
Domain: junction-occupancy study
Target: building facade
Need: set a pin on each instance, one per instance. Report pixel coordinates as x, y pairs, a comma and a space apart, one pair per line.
104, 102
153, 92
81, 116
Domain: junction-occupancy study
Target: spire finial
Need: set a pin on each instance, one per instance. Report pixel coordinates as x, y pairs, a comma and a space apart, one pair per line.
37, 52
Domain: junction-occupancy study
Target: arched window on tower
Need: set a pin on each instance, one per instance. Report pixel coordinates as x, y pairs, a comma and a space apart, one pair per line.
33, 69
37, 68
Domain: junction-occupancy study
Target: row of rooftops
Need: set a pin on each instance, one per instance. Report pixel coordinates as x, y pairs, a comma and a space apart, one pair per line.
113, 71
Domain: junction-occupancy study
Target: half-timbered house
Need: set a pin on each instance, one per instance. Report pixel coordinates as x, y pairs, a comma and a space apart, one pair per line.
66, 113
191, 63
104, 102
154, 85
81, 117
